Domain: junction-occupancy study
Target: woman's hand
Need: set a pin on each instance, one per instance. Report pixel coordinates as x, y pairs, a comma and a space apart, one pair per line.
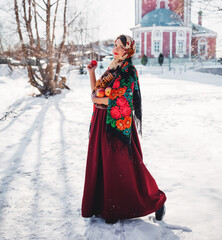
90, 68
103, 100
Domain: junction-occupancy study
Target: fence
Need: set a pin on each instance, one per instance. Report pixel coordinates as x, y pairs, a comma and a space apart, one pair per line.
180, 66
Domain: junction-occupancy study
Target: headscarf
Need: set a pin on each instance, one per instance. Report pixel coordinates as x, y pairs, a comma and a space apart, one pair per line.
115, 64
130, 50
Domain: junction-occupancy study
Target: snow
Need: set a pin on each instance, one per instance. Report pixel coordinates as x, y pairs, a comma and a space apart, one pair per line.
43, 149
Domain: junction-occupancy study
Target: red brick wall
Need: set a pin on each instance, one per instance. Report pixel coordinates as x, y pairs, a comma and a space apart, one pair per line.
194, 46
211, 47
166, 44
177, 6
142, 44
174, 44
148, 6
149, 34
187, 45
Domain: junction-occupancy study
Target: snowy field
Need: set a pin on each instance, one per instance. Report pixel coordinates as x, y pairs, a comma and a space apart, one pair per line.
43, 149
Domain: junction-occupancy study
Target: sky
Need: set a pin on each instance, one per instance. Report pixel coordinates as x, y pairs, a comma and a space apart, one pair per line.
109, 18
118, 16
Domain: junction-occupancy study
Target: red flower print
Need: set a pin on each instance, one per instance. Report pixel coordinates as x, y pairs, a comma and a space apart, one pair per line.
121, 91
120, 124
122, 102
128, 121
115, 112
113, 94
125, 111
116, 84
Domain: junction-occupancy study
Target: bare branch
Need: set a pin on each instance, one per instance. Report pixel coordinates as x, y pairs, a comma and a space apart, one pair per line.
73, 20
54, 3
49, 68
39, 6
41, 17
19, 27
32, 80
28, 22
45, 3
54, 23
58, 68
80, 12
36, 26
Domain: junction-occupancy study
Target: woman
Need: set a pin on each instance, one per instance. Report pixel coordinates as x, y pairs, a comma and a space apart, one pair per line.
117, 183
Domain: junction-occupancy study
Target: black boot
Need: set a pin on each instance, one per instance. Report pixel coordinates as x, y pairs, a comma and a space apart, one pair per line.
159, 214
108, 221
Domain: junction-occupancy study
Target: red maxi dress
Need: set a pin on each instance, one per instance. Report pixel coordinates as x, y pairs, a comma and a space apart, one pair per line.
117, 186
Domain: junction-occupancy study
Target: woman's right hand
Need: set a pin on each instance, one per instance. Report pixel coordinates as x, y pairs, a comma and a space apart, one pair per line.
90, 68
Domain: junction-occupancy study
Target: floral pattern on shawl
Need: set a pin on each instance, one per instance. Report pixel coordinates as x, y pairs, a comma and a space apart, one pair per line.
121, 106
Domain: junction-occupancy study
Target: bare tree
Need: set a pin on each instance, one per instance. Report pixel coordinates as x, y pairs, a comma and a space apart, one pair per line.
1, 45
28, 14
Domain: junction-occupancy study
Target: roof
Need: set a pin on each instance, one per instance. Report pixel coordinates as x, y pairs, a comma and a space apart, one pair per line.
161, 17
199, 30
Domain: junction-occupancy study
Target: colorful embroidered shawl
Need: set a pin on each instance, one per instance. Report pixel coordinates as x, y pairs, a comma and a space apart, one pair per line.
124, 103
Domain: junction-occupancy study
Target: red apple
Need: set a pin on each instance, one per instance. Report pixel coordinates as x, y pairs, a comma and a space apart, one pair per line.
93, 63
108, 91
100, 92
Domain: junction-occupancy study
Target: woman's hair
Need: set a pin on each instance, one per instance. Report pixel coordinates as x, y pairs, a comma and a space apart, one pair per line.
122, 39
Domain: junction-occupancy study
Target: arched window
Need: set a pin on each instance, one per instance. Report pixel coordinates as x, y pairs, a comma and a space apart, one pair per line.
181, 43
181, 33
156, 43
157, 34
202, 46
162, 4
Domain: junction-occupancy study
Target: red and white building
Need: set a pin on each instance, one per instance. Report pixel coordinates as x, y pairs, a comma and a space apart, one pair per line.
164, 26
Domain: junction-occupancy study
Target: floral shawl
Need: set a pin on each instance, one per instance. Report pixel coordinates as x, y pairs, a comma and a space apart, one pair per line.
124, 103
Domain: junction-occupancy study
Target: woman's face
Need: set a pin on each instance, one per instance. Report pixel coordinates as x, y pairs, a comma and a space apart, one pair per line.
118, 49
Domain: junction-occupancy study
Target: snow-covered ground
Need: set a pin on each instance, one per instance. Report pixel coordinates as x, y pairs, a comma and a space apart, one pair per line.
43, 149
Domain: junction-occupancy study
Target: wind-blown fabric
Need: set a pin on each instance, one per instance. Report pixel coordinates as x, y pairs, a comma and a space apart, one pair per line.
124, 103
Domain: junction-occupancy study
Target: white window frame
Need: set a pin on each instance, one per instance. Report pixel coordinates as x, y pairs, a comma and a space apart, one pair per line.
181, 37
199, 45
138, 47
157, 38
156, 46
180, 48
166, 4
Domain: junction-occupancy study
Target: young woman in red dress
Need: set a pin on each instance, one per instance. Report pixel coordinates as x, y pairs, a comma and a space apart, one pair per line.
117, 183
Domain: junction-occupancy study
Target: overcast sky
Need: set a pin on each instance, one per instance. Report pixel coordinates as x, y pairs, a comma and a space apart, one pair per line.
109, 18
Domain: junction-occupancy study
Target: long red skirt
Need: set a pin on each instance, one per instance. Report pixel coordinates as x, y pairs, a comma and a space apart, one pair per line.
117, 186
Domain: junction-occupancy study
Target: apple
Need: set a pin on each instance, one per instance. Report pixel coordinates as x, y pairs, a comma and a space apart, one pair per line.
93, 63
108, 91
100, 92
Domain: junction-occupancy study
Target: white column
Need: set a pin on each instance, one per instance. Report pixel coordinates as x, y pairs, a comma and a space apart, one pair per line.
171, 47
145, 42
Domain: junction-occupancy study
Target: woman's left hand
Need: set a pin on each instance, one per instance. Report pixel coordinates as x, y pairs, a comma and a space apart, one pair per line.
103, 100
